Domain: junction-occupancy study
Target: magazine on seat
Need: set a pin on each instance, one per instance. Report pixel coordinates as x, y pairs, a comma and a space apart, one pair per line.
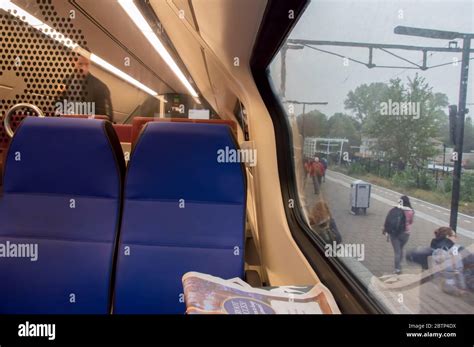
206, 294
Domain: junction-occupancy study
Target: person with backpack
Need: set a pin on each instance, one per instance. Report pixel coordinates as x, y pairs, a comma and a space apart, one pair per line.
397, 227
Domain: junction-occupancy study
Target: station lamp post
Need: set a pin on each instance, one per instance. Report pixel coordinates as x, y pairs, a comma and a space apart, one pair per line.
284, 50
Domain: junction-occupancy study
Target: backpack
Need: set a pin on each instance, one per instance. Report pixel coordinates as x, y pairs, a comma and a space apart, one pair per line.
449, 270
395, 222
325, 163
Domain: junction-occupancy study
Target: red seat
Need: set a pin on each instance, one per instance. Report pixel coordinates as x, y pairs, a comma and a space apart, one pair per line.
124, 132
138, 122
85, 116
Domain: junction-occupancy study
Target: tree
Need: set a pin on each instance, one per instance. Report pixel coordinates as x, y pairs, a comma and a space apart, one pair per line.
312, 124
468, 135
365, 100
413, 119
344, 126
468, 144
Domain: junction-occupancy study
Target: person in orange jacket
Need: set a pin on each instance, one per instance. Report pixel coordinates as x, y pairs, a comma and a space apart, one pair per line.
316, 171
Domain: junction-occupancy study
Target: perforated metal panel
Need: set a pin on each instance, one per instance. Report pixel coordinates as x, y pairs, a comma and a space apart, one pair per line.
40, 62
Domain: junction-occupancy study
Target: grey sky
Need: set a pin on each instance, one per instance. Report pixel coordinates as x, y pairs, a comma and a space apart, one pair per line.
317, 76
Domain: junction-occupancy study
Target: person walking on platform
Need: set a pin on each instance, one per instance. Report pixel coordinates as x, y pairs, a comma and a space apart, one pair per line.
398, 226
316, 171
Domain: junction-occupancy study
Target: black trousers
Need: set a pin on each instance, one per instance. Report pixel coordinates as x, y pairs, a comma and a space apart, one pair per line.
317, 183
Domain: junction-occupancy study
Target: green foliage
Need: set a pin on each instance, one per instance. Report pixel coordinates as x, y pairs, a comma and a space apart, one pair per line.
313, 124
468, 135
448, 184
426, 180
365, 100
364, 166
403, 179
344, 126
357, 168
467, 187
400, 135
413, 178
384, 170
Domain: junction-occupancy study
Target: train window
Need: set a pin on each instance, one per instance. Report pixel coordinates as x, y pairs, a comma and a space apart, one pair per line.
368, 87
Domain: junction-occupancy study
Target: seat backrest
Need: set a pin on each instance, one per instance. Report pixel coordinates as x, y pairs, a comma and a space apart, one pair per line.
15, 122
124, 132
183, 211
17, 118
61, 209
139, 122
85, 116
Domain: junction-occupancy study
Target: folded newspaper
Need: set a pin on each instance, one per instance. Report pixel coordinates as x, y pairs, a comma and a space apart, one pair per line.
206, 294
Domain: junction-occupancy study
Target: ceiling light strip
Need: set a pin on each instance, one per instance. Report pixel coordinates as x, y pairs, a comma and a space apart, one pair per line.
135, 15
119, 73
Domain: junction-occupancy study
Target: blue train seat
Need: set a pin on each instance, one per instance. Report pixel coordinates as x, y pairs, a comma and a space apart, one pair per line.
183, 211
59, 217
